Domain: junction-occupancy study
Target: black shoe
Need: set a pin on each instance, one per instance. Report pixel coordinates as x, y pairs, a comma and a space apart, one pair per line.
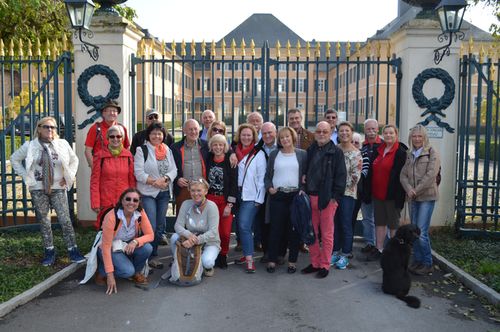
322, 273
368, 248
374, 255
223, 262
217, 261
291, 269
309, 269
271, 268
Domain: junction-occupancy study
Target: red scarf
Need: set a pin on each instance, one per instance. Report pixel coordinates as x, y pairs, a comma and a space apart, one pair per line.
241, 152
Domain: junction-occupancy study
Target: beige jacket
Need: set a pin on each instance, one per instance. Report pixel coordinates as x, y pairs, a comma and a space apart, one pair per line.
420, 174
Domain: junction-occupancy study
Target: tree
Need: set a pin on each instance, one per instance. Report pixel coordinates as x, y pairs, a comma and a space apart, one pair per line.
494, 5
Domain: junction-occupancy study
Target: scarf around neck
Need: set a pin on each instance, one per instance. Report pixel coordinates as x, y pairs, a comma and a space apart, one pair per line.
115, 152
47, 166
241, 152
161, 151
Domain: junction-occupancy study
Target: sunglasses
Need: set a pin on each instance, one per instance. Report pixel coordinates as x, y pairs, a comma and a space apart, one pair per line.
135, 200
324, 132
218, 130
115, 136
153, 117
48, 127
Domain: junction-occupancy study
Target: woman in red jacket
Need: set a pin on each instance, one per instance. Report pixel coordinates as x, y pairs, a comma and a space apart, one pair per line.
112, 173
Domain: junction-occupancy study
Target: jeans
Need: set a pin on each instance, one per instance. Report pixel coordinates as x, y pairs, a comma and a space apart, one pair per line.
156, 210
246, 216
420, 215
126, 266
368, 223
343, 236
208, 255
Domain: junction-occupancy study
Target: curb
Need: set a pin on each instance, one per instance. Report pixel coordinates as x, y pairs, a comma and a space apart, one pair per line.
475, 285
36, 290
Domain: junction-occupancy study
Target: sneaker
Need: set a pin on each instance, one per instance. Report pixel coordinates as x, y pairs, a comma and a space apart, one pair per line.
208, 272
155, 264
100, 280
75, 256
164, 240
423, 270
240, 261
374, 255
49, 258
309, 269
322, 273
140, 279
368, 248
342, 263
250, 266
335, 259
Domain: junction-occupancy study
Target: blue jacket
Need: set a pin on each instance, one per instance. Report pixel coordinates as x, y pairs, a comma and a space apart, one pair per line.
301, 215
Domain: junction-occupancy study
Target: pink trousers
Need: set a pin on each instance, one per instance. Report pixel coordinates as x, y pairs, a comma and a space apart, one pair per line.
322, 221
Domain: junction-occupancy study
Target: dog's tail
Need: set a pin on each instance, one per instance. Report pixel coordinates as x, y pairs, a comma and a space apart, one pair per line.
411, 301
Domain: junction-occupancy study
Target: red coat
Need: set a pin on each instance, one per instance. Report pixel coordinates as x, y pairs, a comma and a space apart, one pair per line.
110, 177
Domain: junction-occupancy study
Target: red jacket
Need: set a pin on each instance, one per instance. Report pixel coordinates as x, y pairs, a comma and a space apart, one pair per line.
110, 177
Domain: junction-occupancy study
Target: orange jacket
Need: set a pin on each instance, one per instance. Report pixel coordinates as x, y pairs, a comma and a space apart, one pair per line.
108, 234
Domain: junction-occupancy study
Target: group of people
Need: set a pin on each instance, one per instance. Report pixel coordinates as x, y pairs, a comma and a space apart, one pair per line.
254, 179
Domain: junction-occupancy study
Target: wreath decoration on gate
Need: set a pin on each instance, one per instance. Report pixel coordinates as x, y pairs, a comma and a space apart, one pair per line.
434, 106
97, 102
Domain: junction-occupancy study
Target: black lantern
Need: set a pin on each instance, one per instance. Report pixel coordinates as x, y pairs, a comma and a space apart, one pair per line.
80, 13
450, 14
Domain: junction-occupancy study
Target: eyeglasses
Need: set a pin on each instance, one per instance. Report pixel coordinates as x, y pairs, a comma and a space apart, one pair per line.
48, 127
135, 200
218, 130
331, 117
324, 132
153, 117
115, 136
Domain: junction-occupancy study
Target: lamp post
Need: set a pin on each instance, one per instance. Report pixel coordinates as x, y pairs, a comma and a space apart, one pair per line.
450, 14
80, 13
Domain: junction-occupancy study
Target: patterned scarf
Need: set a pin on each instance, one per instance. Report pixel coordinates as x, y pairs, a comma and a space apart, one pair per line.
47, 166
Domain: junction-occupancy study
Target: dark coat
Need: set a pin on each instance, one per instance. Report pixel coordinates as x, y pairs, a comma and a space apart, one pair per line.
178, 153
301, 218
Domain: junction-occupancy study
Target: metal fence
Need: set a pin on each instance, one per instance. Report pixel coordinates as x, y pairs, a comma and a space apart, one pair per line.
478, 157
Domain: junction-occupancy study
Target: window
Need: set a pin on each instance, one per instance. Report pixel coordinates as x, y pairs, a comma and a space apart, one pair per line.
243, 85
228, 66
282, 67
227, 84
258, 85
301, 67
301, 85
281, 84
321, 85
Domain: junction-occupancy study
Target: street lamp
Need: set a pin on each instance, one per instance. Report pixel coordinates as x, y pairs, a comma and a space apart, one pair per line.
80, 14
450, 14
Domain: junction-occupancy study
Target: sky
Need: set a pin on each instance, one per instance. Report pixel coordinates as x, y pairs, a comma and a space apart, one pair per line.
326, 20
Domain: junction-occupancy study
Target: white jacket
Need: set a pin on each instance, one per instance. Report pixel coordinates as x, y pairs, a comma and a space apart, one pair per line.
150, 168
251, 178
30, 153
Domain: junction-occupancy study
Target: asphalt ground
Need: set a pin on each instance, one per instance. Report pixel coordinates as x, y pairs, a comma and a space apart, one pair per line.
348, 300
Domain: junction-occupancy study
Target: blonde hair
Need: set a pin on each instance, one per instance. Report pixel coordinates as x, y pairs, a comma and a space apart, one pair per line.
43, 121
419, 128
292, 131
246, 126
218, 138
216, 123
198, 182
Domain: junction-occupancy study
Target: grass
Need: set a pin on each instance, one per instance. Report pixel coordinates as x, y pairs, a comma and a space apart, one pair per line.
21, 252
478, 257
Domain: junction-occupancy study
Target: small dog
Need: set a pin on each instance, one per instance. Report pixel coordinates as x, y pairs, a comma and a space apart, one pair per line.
395, 258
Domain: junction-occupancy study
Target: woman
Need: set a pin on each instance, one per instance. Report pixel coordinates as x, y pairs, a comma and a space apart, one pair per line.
343, 235
112, 173
387, 193
251, 171
418, 178
198, 222
154, 169
223, 190
217, 127
123, 252
285, 169
49, 172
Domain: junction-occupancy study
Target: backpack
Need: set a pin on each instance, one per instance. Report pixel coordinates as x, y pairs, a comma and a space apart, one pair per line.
144, 152
187, 268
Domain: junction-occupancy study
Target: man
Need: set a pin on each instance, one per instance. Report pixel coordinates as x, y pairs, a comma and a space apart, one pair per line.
190, 156
96, 137
207, 118
140, 137
304, 137
256, 120
371, 143
325, 184
331, 117
268, 131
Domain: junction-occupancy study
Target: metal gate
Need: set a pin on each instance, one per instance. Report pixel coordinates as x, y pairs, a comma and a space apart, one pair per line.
31, 87
478, 157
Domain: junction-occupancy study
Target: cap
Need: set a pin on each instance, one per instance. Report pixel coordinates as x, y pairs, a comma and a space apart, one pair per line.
112, 103
151, 111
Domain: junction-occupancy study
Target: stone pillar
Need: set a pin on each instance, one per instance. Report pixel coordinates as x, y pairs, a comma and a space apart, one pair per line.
117, 39
415, 42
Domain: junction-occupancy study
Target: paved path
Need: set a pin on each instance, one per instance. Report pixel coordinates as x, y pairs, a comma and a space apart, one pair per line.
349, 300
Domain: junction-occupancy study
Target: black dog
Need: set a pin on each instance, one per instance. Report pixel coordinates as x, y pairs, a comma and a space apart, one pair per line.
395, 257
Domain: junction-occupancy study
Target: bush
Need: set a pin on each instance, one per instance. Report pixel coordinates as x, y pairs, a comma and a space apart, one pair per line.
482, 150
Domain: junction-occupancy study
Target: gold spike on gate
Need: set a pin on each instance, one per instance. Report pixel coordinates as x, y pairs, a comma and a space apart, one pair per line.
358, 50
152, 48
317, 51
2, 53
242, 46
288, 49
64, 43
327, 50
203, 48
213, 49
223, 47
368, 50
308, 49
462, 49
278, 49
492, 72
11, 48
47, 48
20, 52
378, 46
55, 50
298, 49
471, 45
193, 48
38, 48
252, 47
337, 50
388, 50
348, 50
163, 48
481, 53
183, 48
491, 52
173, 48
233, 47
